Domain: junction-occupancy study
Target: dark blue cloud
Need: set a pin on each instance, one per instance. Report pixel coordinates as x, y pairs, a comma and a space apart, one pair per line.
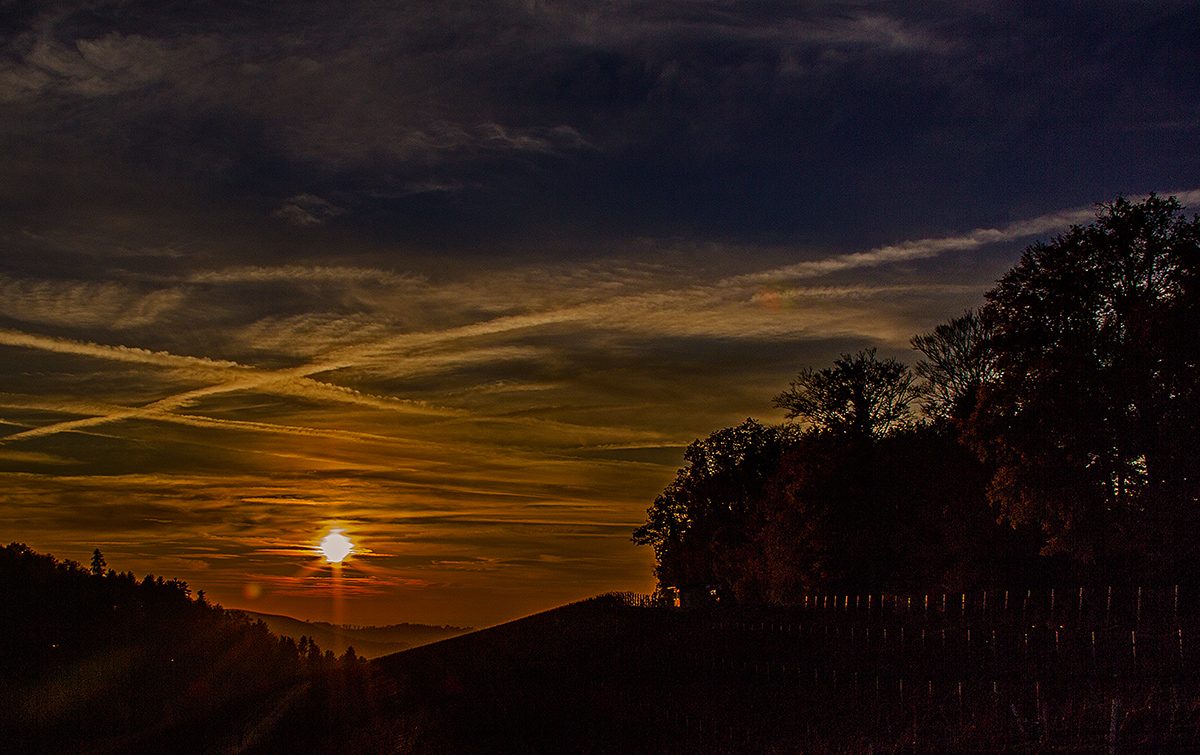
742, 120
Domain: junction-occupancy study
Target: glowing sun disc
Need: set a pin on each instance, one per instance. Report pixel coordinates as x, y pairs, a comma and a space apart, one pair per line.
335, 546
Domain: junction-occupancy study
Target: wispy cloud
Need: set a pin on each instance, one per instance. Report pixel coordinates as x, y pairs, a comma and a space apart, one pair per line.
301, 274
308, 210
85, 304
88, 67
616, 301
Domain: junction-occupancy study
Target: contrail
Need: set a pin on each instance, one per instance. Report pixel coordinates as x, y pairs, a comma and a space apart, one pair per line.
298, 381
116, 353
287, 381
934, 247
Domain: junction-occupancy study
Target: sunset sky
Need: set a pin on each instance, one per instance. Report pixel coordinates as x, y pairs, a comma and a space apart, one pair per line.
464, 277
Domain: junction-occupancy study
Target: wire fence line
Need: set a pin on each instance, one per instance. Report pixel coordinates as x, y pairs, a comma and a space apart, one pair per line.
1055, 603
1101, 667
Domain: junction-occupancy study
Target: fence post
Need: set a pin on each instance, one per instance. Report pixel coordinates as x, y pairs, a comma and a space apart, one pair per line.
1112, 727
1020, 721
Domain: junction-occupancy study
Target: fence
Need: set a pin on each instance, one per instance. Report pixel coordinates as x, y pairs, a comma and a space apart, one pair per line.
1109, 668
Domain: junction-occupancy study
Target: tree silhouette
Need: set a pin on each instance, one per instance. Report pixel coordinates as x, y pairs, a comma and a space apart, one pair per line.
1067, 410
860, 396
1097, 350
702, 524
960, 358
98, 564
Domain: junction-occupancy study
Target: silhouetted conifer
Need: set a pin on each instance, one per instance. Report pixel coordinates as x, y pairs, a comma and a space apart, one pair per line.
98, 564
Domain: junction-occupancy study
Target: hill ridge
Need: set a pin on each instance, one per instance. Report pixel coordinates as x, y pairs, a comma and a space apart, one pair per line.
368, 642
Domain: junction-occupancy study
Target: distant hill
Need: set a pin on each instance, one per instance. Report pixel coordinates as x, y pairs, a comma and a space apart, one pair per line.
368, 642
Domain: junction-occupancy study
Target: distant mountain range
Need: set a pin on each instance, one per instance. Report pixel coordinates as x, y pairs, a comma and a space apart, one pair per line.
368, 642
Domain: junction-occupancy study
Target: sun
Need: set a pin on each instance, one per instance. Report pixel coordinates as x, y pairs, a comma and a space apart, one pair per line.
335, 547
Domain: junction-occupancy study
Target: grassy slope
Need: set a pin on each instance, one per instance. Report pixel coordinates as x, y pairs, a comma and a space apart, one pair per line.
604, 677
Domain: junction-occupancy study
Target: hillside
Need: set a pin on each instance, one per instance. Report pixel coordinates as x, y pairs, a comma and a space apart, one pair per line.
964, 673
368, 642
100, 662
103, 663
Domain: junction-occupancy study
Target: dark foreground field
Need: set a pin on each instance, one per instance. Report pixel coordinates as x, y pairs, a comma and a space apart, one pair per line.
1059, 671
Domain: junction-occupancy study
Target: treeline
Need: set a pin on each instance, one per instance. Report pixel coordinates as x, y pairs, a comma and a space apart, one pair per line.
1049, 437
93, 655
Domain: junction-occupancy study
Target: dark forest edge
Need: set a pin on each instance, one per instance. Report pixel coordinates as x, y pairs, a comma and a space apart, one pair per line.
96, 657
1048, 438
